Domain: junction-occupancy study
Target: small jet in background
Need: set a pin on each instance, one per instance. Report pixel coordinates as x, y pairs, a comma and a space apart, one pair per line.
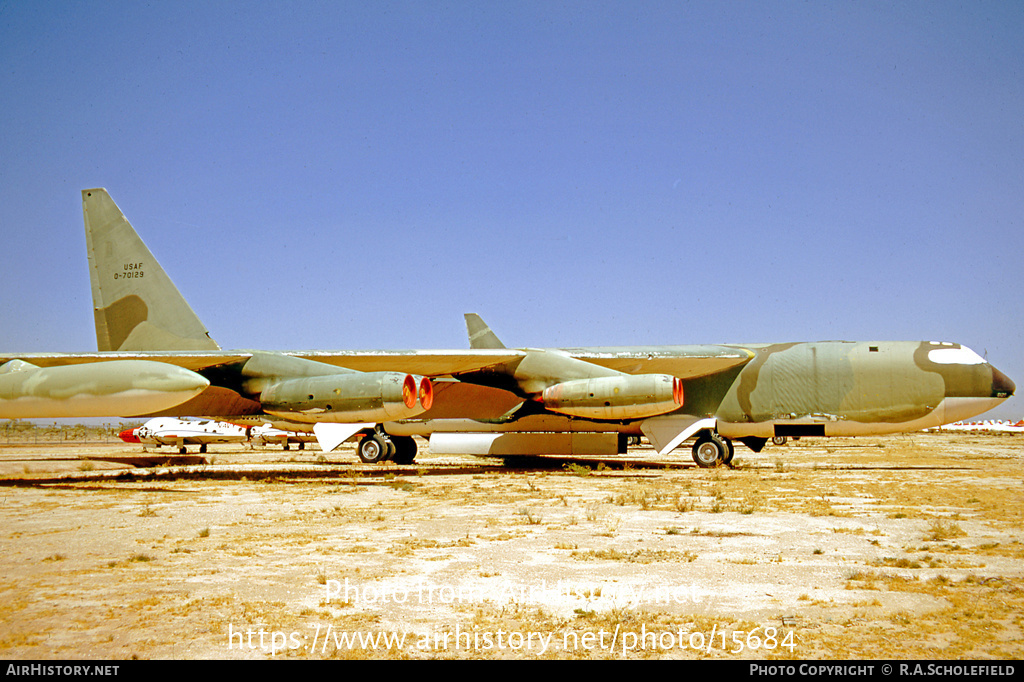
268, 434
182, 432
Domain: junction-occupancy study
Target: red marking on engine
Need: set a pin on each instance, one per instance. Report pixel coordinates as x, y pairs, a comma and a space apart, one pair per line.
677, 390
426, 393
409, 391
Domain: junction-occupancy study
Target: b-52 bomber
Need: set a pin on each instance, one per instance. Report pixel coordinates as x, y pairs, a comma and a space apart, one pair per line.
156, 358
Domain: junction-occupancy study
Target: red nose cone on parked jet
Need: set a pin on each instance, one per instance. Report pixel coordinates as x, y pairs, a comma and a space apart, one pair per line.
128, 436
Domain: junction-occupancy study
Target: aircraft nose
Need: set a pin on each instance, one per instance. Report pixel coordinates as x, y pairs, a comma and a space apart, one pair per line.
1002, 386
128, 436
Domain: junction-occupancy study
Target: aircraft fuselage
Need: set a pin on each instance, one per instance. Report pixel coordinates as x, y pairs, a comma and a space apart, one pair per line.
157, 359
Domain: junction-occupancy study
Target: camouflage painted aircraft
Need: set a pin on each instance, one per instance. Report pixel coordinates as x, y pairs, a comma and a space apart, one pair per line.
156, 358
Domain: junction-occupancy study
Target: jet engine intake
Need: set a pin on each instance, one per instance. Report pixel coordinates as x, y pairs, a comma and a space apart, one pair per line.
629, 396
349, 398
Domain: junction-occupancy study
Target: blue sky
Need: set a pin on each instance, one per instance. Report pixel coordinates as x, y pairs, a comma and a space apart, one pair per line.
351, 175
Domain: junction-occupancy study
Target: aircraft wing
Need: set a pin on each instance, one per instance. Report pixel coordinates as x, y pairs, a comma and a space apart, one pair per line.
485, 396
189, 360
680, 361
163, 362
431, 363
685, 362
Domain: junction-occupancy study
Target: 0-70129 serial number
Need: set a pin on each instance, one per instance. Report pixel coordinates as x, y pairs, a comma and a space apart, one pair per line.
130, 271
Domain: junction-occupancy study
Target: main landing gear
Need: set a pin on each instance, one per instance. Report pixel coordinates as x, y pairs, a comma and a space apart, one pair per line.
712, 450
380, 446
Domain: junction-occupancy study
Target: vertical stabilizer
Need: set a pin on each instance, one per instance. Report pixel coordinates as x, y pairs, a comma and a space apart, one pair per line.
136, 305
480, 335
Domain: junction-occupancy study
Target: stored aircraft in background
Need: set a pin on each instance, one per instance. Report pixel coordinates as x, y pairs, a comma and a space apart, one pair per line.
268, 434
156, 358
990, 426
203, 432
181, 432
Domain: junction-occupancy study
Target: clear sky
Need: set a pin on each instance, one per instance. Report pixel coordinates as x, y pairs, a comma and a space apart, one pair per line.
355, 175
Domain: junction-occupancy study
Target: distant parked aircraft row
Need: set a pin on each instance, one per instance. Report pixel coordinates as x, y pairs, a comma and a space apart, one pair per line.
202, 432
988, 425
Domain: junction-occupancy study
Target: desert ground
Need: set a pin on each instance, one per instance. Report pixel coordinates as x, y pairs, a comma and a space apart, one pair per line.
898, 547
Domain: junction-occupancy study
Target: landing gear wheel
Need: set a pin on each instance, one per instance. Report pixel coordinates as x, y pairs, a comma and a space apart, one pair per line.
710, 450
373, 448
202, 449
405, 449
730, 451
778, 440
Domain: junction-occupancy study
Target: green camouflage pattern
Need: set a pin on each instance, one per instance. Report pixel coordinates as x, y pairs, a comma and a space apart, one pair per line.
135, 304
153, 346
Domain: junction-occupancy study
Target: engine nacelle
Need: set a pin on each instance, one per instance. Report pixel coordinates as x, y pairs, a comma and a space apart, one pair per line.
630, 396
349, 398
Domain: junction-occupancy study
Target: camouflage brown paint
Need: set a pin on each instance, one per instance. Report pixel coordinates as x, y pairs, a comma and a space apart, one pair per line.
835, 380
960, 380
135, 303
116, 322
750, 375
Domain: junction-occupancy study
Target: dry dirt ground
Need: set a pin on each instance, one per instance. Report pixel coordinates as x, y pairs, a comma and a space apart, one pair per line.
901, 547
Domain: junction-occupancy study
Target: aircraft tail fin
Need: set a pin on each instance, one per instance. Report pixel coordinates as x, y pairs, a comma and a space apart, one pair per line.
136, 305
480, 335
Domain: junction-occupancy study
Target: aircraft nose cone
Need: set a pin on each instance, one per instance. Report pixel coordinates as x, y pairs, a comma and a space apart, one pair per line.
1002, 386
128, 436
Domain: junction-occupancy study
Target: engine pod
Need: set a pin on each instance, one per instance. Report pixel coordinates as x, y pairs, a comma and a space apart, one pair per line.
349, 398
619, 397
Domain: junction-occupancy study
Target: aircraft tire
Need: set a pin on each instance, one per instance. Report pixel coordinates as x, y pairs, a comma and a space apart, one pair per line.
373, 449
730, 451
779, 440
405, 449
710, 450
